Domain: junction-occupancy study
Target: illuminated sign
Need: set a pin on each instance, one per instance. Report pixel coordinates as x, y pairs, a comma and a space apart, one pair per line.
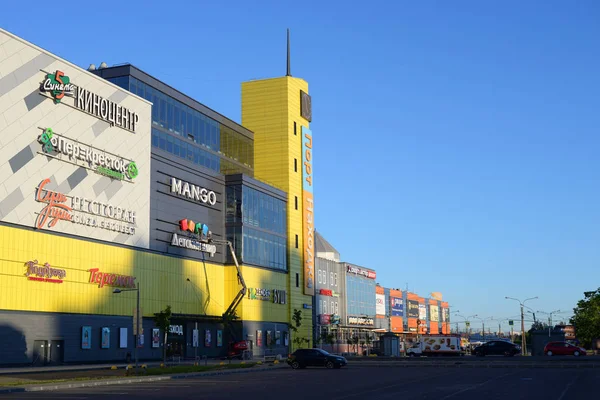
200, 243
44, 273
176, 329
80, 210
308, 213
359, 271
57, 85
108, 279
193, 192
326, 292
325, 319
98, 160
365, 321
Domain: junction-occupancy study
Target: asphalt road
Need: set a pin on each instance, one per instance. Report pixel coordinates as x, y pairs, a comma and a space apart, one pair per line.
357, 382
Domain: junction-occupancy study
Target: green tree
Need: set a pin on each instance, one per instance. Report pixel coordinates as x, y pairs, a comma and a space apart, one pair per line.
586, 318
538, 326
162, 320
297, 323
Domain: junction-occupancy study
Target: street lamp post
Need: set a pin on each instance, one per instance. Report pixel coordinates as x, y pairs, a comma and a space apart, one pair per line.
549, 314
523, 337
137, 319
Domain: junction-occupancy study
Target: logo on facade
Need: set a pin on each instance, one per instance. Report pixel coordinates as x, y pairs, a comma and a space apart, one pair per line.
365, 321
58, 85
100, 161
44, 273
108, 279
201, 243
276, 296
176, 329
326, 292
193, 192
308, 213
81, 211
359, 271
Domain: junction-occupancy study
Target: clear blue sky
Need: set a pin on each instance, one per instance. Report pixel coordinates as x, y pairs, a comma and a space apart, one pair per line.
456, 143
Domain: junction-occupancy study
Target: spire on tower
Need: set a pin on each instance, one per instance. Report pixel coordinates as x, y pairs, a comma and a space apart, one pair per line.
289, 68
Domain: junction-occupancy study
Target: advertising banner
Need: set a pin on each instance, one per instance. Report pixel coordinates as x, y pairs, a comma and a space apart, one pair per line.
413, 309
433, 313
219, 338
380, 304
397, 307
446, 315
422, 312
308, 213
155, 337
123, 338
195, 338
86, 337
259, 338
207, 338
105, 338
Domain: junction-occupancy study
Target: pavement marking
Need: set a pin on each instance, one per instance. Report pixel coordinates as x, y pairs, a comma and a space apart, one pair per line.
564, 392
429, 377
477, 386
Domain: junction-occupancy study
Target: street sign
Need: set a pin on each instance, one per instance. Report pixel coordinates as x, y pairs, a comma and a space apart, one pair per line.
467, 324
511, 322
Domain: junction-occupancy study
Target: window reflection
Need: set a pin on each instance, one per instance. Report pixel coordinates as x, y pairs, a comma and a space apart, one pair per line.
234, 152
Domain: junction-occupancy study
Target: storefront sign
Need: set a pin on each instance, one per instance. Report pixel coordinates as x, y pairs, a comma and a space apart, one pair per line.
433, 313
365, 321
78, 210
98, 160
396, 304
259, 294
325, 319
57, 85
108, 279
446, 315
307, 306
413, 309
335, 319
412, 329
379, 304
106, 110
359, 271
176, 329
326, 292
199, 243
422, 312
279, 296
308, 213
193, 192
44, 273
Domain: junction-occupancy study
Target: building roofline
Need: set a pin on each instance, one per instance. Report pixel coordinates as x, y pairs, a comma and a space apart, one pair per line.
130, 69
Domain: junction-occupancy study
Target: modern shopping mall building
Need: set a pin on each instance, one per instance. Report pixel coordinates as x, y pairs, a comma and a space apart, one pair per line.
111, 179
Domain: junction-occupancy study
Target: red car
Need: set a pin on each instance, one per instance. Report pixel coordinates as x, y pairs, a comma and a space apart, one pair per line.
563, 349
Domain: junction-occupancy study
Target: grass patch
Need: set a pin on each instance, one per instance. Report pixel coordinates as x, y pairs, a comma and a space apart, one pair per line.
50, 381
186, 369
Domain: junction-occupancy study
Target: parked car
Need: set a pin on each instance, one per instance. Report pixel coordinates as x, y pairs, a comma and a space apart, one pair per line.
497, 348
303, 358
563, 349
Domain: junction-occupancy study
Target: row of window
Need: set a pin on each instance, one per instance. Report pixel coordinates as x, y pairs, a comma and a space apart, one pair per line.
333, 310
177, 118
254, 208
185, 150
262, 248
361, 295
322, 278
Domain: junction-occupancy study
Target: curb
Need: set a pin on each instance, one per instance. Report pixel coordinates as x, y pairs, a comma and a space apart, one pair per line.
124, 381
520, 365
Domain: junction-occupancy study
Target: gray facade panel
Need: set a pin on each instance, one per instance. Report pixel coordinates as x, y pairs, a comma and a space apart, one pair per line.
167, 209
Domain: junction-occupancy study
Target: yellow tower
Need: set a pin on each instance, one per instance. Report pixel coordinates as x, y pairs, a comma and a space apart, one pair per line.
278, 111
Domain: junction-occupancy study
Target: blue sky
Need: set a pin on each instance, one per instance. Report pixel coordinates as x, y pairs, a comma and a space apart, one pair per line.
456, 143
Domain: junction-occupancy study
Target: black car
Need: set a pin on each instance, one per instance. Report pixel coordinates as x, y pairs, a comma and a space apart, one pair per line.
497, 348
303, 358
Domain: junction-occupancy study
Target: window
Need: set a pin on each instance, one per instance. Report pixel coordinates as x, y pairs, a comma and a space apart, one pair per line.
335, 276
319, 275
296, 241
297, 280
332, 308
296, 201
324, 277
331, 278
295, 131
337, 311
324, 307
295, 165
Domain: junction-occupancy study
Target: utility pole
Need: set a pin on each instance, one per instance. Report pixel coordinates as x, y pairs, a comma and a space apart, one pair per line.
523, 336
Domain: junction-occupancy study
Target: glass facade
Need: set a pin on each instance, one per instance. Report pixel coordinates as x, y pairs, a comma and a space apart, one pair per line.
360, 294
191, 135
256, 225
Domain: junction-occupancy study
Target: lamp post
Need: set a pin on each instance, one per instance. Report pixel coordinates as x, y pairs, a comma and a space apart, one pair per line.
523, 337
483, 325
549, 314
137, 319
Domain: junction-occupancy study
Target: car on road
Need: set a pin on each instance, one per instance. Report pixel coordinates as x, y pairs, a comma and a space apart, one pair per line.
303, 358
563, 349
497, 348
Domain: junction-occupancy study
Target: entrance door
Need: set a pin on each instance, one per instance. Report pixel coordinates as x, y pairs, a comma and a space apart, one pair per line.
40, 352
57, 351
